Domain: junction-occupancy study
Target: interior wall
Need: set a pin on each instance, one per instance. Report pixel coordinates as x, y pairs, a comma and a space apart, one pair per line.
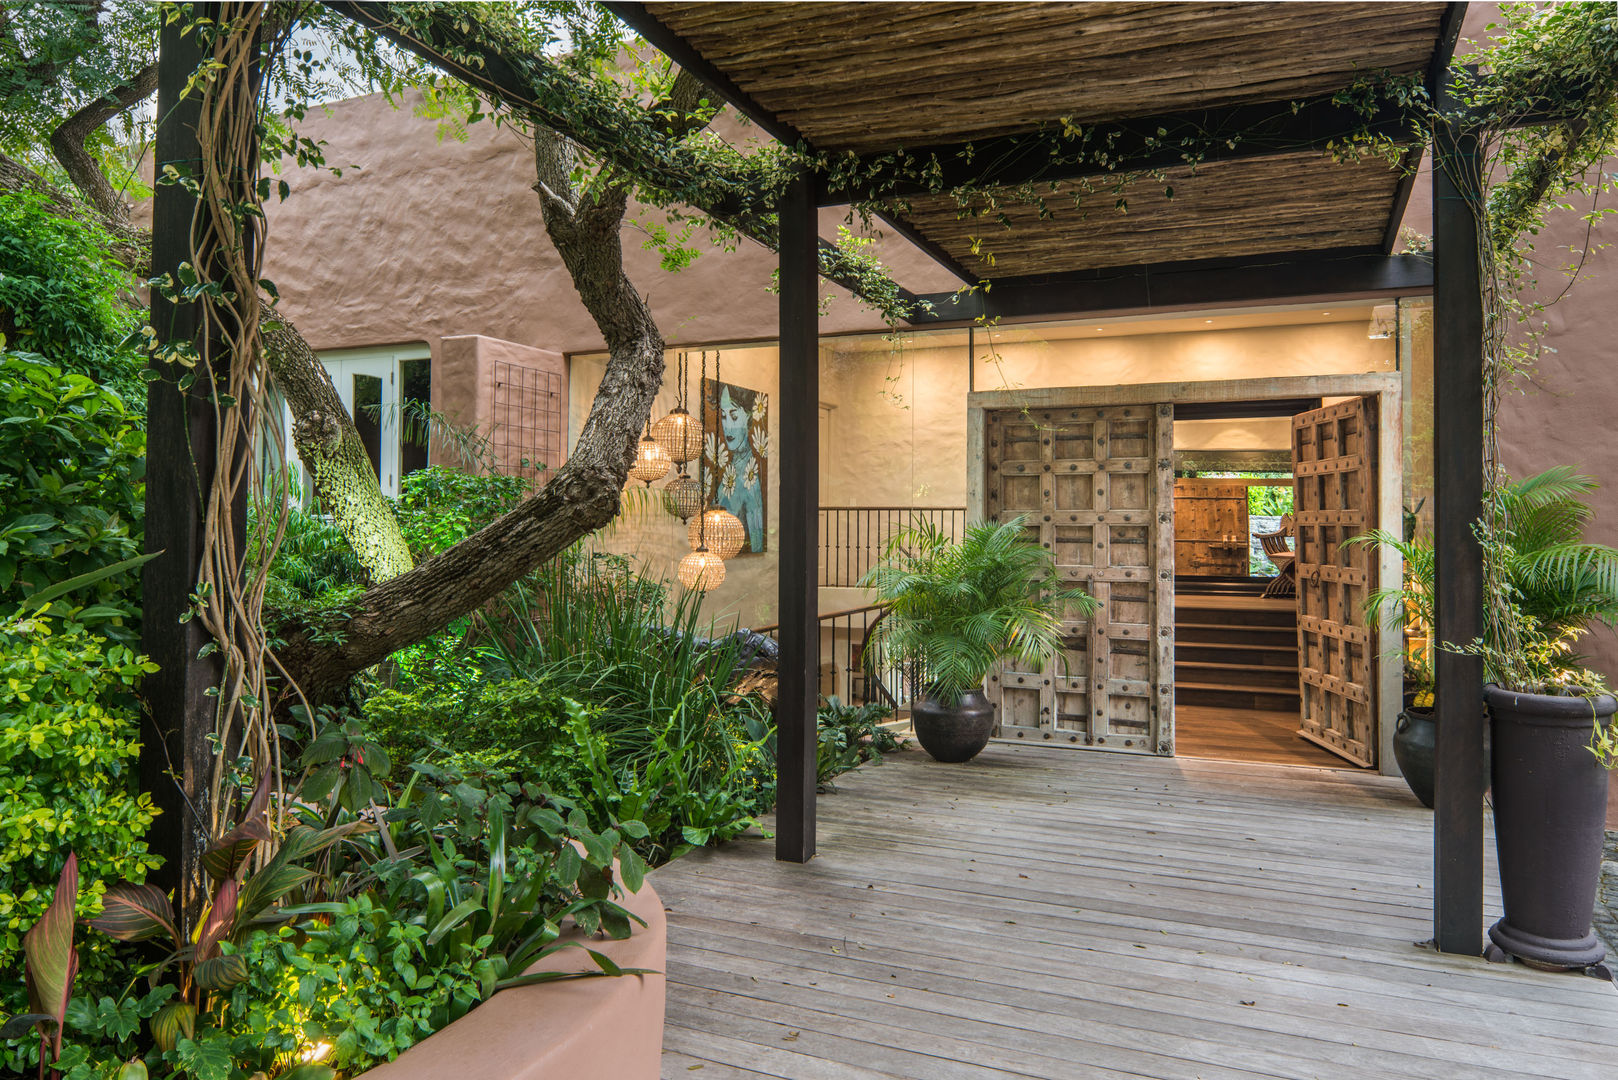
1258, 433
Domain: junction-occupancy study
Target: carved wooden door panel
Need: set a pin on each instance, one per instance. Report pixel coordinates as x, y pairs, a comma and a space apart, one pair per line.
1096, 486
1334, 498
1210, 528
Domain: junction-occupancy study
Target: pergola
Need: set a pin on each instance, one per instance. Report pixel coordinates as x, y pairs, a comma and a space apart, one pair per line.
1266, 215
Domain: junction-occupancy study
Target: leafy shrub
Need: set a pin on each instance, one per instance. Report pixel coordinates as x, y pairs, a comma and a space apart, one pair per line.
59, 297
71, 494
849, 735
68, 732
439, 507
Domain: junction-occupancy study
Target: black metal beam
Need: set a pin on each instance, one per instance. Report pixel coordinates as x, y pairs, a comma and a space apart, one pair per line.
799, 410
1458, 571
1228, 133
1243, 410
1449, 32
1186, 285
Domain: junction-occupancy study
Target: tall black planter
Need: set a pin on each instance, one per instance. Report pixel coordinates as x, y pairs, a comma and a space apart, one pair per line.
953, 733
1550, 810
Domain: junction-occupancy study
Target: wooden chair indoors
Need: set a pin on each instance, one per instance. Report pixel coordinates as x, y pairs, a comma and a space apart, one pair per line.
1285, 582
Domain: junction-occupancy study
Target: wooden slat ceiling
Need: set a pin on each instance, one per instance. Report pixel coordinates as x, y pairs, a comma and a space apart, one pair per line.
874, 77
1226, 209
871, 76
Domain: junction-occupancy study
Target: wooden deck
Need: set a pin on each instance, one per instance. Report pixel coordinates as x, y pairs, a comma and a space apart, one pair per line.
1050, 913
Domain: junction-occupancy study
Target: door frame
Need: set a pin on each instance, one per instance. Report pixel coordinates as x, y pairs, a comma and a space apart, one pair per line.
382, 361
1385, 388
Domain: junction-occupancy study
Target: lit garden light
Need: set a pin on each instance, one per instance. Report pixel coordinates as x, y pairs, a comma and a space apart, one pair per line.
702, 571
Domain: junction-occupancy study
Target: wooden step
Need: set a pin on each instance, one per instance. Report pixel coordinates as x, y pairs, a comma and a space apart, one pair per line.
1253, 654
1242, 676
1273, 637
1227, 695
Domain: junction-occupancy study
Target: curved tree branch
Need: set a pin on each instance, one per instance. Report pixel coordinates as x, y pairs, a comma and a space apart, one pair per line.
68, 143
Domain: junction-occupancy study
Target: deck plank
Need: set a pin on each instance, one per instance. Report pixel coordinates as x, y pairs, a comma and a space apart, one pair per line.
1053, 914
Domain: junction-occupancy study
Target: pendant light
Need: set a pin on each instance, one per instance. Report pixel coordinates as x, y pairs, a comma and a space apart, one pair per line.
682, 496
679, 433
651, 461
701, 570
716, 528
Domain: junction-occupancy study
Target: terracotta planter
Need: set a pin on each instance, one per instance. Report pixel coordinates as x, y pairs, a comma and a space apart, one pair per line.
1550, 808
953, 732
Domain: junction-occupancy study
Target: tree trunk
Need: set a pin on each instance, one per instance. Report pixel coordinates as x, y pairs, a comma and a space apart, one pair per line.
582, 496
333, 454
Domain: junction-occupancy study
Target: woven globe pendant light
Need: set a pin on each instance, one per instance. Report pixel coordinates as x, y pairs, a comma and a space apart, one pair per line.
679, 435
718, 530
651, 461
682, 497
702, 571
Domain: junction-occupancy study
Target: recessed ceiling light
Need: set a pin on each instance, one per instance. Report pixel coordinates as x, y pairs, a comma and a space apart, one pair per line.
1325, 313
1207, 320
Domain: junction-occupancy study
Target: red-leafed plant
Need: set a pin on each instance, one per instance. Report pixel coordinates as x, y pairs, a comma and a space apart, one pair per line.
50, 965
241, 902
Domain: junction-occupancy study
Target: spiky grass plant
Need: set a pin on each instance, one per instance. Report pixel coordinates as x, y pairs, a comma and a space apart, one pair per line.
955, 609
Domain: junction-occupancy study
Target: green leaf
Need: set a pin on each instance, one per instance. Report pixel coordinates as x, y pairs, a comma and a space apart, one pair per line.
62, 588
51, 962
135, 913
132, 1070
33, 523
206, 1060
21, 1024
309, 1071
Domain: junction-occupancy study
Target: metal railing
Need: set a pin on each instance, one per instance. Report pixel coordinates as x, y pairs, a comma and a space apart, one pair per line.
852, 671
852, 538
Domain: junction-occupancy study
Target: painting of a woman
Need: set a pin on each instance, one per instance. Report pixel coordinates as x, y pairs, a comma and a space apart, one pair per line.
736, 449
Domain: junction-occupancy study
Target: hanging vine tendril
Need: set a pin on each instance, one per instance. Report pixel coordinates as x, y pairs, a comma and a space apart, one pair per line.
226, 250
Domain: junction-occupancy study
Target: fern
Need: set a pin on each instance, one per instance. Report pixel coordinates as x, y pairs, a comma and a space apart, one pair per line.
955, 609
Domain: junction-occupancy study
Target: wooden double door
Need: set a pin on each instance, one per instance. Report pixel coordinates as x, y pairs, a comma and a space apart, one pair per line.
1095, 487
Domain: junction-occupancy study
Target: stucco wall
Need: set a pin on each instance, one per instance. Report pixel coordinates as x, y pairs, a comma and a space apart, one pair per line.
466, 389
422, 238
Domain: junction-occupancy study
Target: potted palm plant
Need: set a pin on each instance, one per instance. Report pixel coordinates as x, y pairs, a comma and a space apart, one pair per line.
955, 609
1550, 717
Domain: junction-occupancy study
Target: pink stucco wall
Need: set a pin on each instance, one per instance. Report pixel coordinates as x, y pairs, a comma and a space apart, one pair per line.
467, 387
421, 239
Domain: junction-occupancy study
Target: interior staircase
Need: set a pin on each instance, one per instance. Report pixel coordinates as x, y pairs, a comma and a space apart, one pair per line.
1235, 649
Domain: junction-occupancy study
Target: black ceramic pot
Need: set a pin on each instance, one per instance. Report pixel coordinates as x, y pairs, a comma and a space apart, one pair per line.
1550, 811
1414, 742
953, 732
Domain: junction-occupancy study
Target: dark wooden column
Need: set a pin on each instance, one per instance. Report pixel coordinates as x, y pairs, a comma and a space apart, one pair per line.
1458, 575
799, 457
176, 756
